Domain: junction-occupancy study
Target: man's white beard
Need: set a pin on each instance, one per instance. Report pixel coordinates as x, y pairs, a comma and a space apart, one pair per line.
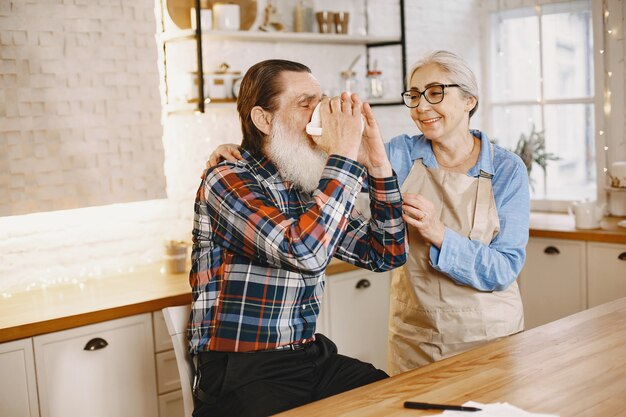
294, 157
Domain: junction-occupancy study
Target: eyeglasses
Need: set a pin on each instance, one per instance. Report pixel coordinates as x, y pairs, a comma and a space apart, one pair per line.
433, 94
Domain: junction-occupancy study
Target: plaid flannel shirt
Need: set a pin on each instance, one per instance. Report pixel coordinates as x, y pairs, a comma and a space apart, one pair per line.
261, 249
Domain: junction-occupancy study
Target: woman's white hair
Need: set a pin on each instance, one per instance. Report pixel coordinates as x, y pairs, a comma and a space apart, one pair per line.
460, 73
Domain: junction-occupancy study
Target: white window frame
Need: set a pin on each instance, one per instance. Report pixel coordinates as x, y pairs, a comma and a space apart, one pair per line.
598, 99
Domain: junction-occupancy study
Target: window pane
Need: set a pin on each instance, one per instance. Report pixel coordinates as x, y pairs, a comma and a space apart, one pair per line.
515, 56
567, 51
510, 122
569, 135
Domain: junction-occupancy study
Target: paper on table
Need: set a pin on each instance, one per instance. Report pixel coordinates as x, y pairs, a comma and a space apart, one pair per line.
493, 410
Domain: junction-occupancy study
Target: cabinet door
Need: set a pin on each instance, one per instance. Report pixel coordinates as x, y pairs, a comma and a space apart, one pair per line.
358, 315
552, 283
115, 378
606, 273
18, 389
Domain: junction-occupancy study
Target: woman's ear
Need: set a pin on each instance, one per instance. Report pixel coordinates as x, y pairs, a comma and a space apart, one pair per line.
262, 119
470, 103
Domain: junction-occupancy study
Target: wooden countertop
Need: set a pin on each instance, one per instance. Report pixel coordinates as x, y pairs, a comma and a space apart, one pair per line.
561, 226
31, 313
145, 290
572, 367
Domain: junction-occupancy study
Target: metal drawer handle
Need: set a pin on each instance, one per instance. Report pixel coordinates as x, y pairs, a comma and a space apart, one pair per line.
363, 283
622, 256
96, 344
551, 250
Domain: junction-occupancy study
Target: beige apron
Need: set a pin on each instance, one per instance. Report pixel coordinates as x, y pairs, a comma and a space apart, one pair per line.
432, 317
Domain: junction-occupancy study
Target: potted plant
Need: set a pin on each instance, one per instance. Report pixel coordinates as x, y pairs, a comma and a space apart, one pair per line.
532, 150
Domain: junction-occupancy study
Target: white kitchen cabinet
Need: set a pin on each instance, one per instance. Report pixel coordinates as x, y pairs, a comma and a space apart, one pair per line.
355, 314
18, 387
168, 379
101, 370
553, 281
606, 272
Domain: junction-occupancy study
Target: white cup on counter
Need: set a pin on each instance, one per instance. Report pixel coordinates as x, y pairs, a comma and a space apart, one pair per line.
226, 16
587, 214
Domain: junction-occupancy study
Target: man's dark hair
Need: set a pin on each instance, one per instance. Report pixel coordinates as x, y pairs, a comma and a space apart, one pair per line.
261, 87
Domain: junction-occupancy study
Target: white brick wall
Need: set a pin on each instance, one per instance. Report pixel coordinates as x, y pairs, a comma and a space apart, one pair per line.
79, 104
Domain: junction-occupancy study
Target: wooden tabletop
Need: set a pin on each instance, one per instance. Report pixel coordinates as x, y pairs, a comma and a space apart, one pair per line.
562, 226
575, 366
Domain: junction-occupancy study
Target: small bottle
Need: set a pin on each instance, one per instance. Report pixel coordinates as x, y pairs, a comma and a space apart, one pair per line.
375, 84
348, 82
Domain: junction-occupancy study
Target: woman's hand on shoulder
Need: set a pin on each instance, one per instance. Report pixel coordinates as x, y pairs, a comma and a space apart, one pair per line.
226, 152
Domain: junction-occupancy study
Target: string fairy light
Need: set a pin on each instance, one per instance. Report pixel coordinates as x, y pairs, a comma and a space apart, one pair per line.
606, 32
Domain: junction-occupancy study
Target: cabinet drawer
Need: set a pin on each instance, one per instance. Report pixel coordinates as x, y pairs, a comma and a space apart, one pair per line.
552, 283
171, 405
167, 372
162, 339
606, 274
115, 378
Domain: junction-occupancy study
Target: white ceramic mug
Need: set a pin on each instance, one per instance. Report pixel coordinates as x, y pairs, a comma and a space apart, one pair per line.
314, 127
587, 214
226, 16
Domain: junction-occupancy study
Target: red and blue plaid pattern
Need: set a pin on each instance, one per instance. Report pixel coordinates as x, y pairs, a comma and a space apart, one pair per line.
261, 249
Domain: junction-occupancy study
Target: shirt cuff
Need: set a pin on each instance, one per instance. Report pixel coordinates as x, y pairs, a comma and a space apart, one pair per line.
444, 259
347, 171
384, 190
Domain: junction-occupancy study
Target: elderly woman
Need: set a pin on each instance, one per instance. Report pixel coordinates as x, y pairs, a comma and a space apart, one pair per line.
466, 203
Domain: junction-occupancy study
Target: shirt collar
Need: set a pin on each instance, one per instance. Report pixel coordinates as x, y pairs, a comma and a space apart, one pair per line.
423, 149
262, 166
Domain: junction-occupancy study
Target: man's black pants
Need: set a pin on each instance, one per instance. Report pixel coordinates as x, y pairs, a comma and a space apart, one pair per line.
264, 383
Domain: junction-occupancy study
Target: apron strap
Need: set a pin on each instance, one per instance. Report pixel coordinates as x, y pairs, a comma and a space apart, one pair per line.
483, 200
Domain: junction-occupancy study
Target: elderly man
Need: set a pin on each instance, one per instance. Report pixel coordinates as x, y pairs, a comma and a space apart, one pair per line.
265, 229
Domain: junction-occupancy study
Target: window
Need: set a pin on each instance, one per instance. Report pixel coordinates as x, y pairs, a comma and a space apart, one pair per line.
542, 78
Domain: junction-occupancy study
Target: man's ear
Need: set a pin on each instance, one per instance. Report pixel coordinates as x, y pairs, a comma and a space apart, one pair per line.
262, 119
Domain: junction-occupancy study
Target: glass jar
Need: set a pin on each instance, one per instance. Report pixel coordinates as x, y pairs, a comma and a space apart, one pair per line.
375, 87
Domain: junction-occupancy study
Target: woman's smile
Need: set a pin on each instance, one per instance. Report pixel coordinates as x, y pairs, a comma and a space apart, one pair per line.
430, 121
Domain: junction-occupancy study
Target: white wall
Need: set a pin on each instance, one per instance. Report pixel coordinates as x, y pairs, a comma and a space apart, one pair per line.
79, 105
56, 247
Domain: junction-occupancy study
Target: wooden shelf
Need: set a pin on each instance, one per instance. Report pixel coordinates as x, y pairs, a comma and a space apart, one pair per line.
256, 36
181, 107
389, 101
192, 106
